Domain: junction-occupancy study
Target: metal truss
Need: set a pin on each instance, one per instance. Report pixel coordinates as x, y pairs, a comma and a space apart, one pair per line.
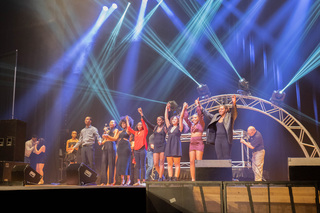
307, 144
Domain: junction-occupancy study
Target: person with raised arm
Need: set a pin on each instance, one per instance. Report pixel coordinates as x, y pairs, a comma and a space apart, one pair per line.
173, 150
196, 143
220, 128
159, 139
124, 151
140, 147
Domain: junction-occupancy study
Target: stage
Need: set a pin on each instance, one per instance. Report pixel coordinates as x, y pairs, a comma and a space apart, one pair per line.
179, 196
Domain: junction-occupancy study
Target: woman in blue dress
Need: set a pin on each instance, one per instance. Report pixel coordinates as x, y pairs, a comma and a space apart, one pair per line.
173, 151
41, 157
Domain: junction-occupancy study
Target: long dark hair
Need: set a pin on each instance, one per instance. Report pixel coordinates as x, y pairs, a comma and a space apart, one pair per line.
123, 119
42, 142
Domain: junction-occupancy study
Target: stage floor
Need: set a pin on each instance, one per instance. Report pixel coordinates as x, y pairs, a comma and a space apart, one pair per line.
61, 186
179, 196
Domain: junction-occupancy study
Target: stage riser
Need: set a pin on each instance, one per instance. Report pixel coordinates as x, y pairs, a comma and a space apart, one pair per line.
186, 197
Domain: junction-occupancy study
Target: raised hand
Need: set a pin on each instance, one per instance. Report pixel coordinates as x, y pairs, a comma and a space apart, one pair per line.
185, 105
140, 111
168, 106
234, 99
197, 102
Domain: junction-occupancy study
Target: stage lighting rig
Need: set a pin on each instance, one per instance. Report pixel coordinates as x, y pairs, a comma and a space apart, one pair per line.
277, 97
243, 87
203, 91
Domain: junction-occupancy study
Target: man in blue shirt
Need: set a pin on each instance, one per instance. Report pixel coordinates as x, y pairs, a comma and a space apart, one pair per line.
86, 141
255, 143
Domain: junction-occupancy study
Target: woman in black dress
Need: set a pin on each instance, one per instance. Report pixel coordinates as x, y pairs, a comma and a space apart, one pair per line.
159, 139
173, 150
41, 157
108, 147
220, 128
124, 151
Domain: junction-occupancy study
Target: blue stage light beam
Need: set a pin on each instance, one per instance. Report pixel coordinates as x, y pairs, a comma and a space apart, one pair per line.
312, 62
98, 70
85, 43
139, 25
64, 98
55, 72
175, 20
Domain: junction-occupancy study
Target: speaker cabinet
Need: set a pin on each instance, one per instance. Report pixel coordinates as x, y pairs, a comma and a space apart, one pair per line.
304, 169
80, 174
177, 197
17, 173
12, 140
23, 174
213, 170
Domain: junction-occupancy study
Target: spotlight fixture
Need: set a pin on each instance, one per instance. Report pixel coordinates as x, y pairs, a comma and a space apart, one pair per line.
114, 5
203, 91
277, 97
243, 87
174, 108
105, 8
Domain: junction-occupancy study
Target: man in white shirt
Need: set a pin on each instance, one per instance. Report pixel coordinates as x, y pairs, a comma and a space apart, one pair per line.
29, 148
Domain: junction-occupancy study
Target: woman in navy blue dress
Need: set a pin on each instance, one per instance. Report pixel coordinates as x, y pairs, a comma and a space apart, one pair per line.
173, 150
41, 157
124, 151
159, 139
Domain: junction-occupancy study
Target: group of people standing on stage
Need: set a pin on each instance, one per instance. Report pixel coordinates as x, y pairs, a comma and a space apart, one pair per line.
117, 145
126, 145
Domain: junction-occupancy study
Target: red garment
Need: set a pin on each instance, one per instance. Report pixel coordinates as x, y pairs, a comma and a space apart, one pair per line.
140, 137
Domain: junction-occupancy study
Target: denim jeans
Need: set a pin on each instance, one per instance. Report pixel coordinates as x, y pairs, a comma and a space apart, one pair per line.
150, 163
140, 156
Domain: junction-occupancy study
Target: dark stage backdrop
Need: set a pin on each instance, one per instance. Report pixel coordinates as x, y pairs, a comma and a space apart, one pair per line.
43, 31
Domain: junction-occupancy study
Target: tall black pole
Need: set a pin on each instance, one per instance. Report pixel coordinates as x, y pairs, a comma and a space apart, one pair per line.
14, 85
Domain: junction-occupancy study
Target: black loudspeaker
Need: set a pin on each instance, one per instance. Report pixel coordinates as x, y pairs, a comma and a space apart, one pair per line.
12, 140
5, 171
17, 173
177, 197
80, 174
213, 170
23, 174
304, 169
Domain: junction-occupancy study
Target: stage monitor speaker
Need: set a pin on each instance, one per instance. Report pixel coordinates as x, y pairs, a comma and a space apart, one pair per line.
80, 174
5, 171
12, 140
304, 169
177, 197
23, 174
213, 170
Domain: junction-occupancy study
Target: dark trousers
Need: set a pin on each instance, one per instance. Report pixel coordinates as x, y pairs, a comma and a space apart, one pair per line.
87, 156
108, 160
140, 157
222, 147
